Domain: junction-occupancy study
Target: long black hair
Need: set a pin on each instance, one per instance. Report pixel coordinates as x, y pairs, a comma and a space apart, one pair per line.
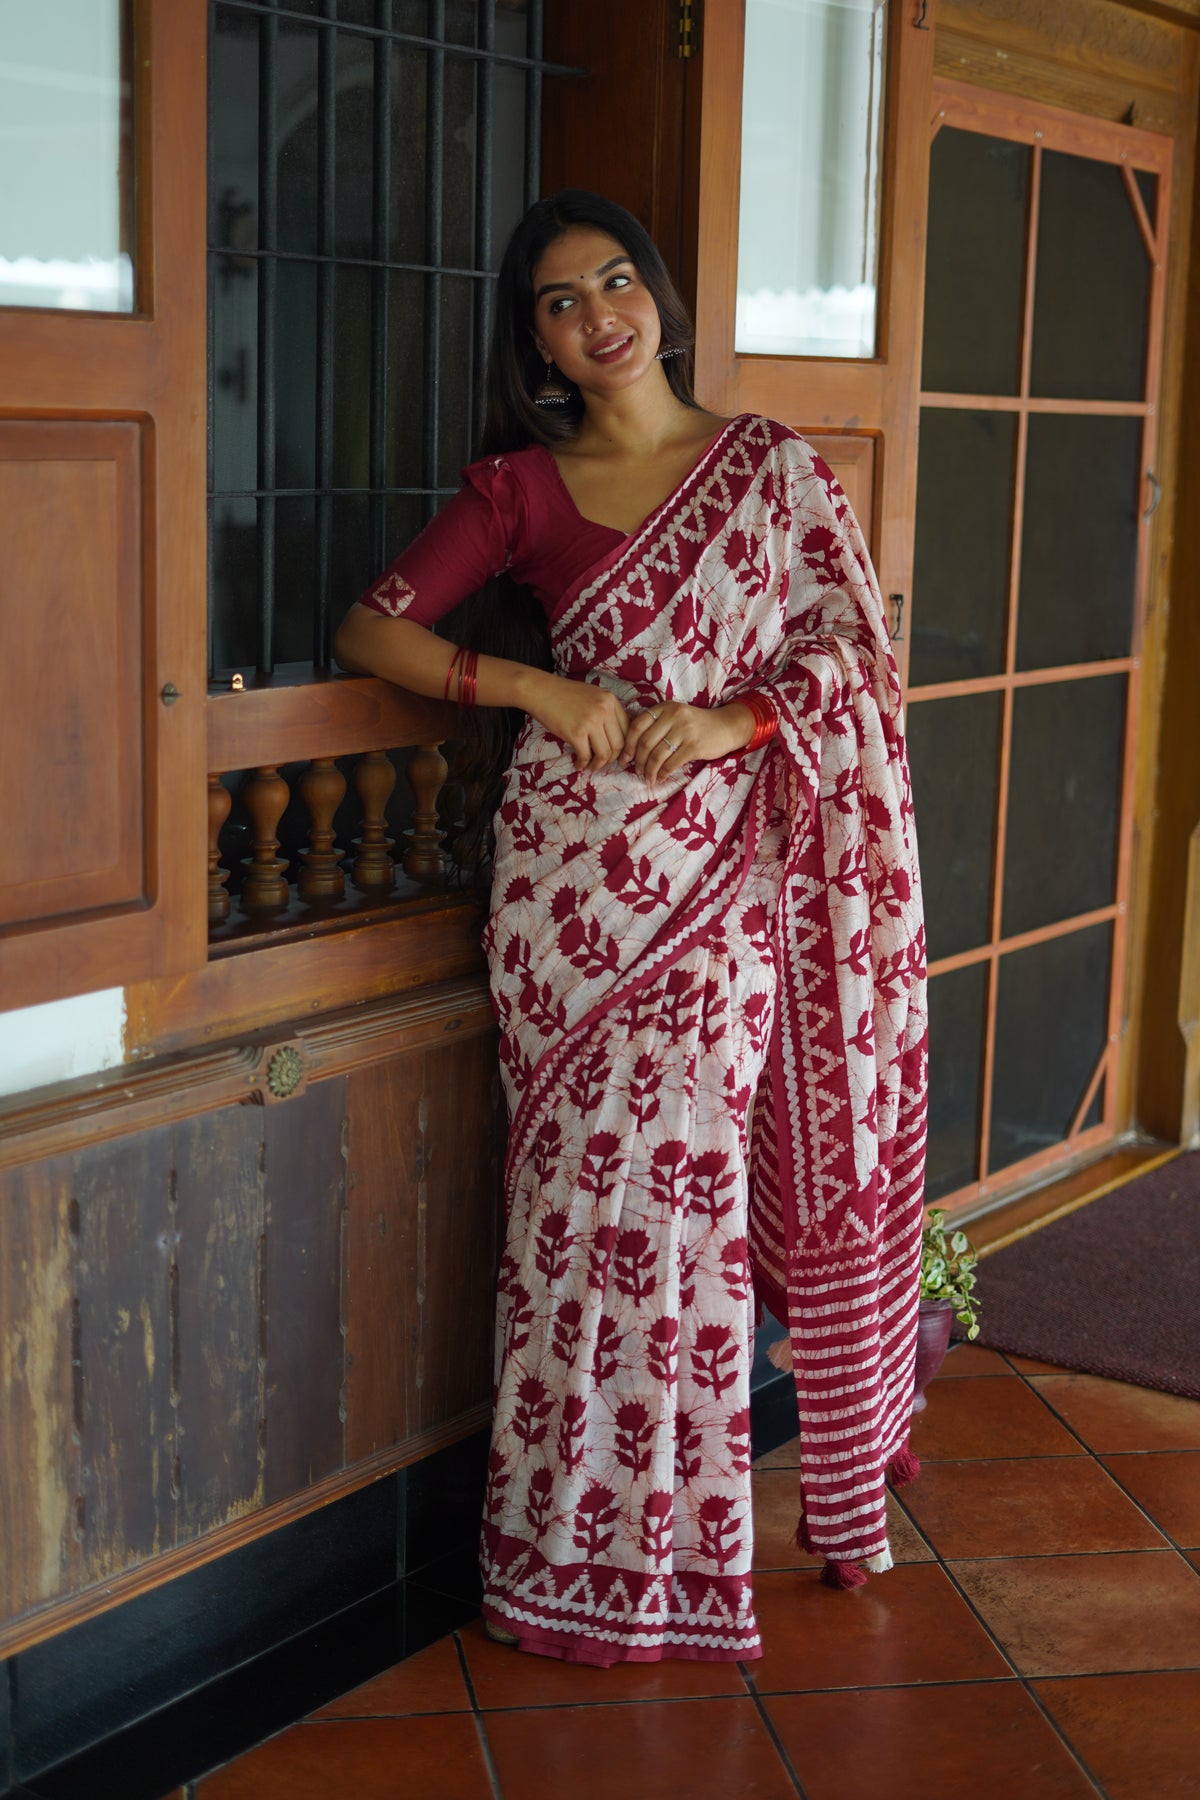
504, 619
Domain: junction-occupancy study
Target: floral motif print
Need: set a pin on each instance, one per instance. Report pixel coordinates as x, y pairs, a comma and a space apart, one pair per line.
711, 994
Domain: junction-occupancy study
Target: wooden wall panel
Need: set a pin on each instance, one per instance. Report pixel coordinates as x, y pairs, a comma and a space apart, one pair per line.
385, 1162
424, 1134
70, 696
457, 1246
126, 1422
305, 1163
39, 1549
215, 1226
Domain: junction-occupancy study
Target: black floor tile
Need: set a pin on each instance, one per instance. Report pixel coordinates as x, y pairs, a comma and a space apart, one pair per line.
78, 1689
455, 1575
231, 1715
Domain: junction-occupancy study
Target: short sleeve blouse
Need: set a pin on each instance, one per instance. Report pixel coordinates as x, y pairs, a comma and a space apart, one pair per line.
512, 515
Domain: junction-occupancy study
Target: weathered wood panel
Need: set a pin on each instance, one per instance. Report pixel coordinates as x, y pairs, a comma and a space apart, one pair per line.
458, 1213
119, 1210
215, 1228
385, 1164
305, 1351
39, 1456
425, 1133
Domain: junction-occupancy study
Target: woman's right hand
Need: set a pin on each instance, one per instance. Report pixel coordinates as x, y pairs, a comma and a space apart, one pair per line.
589, 720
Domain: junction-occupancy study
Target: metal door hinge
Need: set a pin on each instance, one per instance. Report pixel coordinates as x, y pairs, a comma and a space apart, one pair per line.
685, 43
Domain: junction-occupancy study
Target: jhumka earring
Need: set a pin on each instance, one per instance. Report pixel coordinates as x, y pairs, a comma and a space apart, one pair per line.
553, 391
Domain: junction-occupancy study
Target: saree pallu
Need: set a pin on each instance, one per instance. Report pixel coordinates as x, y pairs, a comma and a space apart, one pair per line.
711, 993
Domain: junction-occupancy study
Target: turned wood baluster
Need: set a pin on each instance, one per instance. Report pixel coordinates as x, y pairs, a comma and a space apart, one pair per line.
374, 779
322, 788
265, 886
425, 860
219, 802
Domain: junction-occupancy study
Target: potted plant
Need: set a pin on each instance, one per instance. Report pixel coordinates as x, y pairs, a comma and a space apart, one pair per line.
947, 1284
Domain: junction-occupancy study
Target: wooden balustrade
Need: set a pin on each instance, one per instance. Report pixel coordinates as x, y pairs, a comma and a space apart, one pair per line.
294, 718
322, 788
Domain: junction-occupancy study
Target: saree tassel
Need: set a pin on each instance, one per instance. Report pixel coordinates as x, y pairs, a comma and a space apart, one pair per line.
803, 1538
905, 1467
844, 1575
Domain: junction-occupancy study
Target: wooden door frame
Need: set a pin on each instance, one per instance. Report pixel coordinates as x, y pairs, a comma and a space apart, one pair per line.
1045, 127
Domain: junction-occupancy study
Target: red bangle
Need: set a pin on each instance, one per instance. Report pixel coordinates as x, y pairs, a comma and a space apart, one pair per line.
766, 719
468, 676
450, 672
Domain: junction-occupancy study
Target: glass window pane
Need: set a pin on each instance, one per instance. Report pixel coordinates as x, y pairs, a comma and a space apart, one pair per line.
954, 755
1093, 285
975, 264
1079, 540
963, 544
66, 162
1051, 1027
957, 1005
1064, 801
808, 233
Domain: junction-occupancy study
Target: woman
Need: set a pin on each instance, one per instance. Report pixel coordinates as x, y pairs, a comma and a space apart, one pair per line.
706, 956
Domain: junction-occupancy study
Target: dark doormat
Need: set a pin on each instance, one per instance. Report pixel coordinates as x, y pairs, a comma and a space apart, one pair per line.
1113, 1289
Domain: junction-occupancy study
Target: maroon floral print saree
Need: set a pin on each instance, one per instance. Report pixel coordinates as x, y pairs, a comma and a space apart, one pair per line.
711, 995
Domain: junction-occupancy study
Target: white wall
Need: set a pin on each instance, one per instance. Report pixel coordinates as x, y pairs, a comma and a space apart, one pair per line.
40, 1044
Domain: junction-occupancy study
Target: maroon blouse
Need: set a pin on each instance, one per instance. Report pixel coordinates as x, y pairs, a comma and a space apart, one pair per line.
512, 514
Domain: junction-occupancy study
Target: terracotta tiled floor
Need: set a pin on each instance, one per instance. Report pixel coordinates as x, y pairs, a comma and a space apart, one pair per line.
1039, 1639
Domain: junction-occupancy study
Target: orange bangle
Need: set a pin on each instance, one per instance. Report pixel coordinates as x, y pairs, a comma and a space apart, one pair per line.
766, 719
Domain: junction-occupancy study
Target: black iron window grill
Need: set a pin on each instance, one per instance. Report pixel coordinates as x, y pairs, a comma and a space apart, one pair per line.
367, 159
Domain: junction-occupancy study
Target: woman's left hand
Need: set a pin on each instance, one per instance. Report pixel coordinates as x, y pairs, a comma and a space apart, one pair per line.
666, 737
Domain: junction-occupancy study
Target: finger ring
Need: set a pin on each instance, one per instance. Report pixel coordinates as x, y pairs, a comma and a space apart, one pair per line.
668, 743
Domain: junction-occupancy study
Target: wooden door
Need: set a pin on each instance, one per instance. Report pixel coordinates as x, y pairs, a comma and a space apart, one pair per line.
1045, 279
102, 522
859, 411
